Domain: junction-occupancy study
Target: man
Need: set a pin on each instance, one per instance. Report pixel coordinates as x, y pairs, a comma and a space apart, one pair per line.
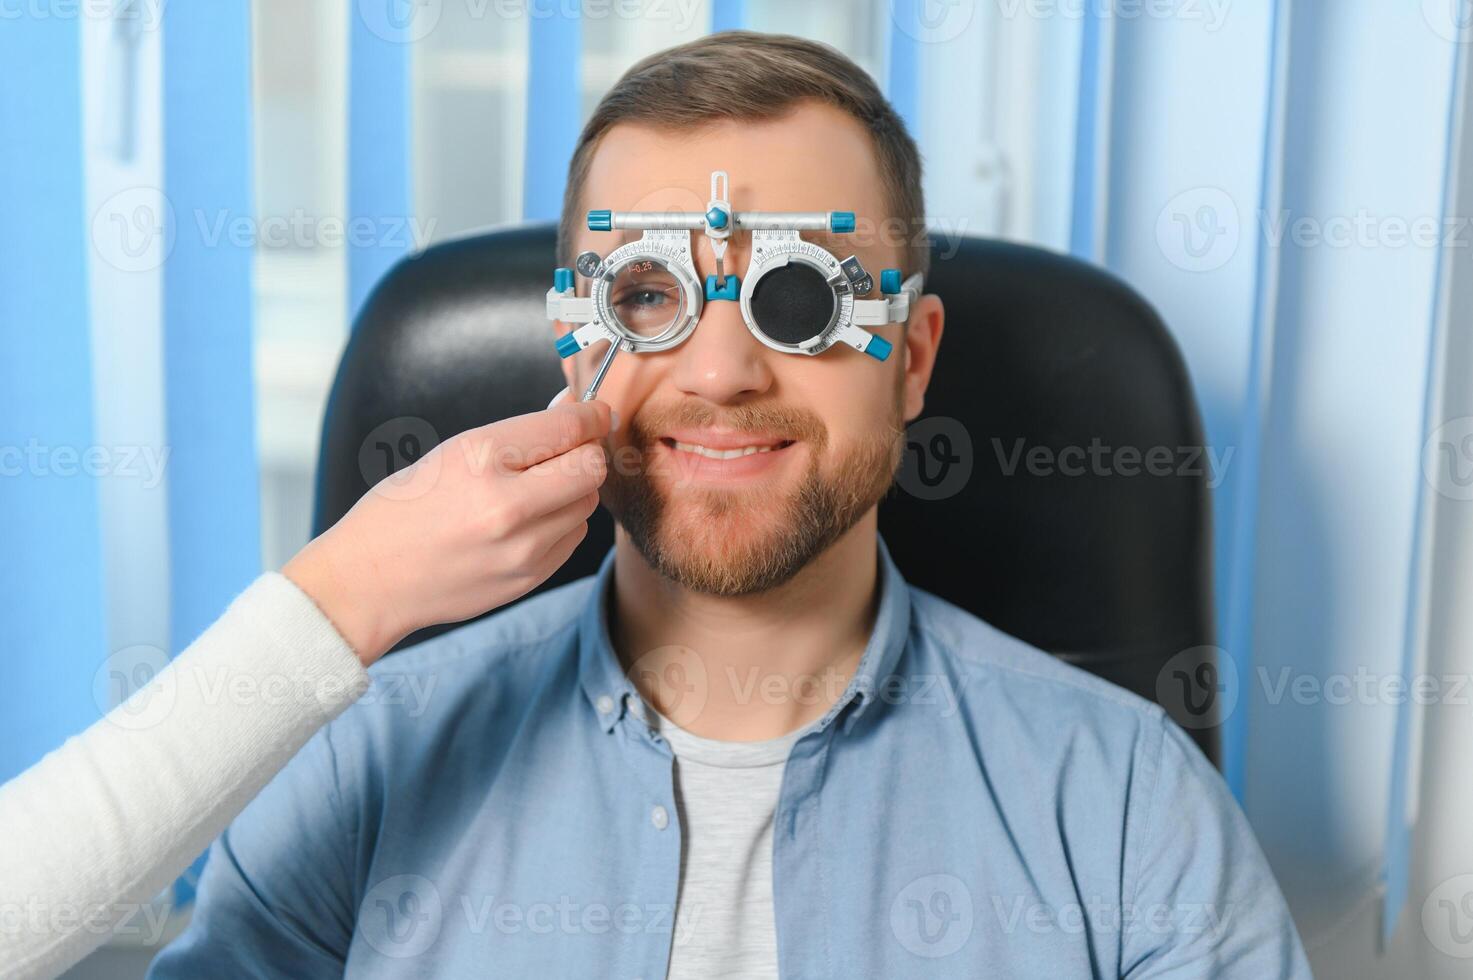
746, 747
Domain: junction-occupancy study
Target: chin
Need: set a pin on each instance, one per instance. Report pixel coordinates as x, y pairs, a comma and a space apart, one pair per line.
733, 543
744, 537
739, 526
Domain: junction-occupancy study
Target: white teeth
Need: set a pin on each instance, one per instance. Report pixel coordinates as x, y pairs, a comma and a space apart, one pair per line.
692, 447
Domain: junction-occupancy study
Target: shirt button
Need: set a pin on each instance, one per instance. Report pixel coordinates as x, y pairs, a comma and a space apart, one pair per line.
605, 704
660, 818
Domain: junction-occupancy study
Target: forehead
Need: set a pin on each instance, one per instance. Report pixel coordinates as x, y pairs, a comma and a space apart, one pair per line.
815, 157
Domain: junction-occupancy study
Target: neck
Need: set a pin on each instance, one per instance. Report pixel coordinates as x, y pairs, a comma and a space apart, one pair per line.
750, 667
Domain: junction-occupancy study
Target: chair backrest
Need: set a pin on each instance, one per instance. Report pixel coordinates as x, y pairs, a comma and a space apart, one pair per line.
1055, 486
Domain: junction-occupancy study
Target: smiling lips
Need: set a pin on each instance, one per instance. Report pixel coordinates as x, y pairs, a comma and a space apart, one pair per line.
721, 445
719, 442
711, 453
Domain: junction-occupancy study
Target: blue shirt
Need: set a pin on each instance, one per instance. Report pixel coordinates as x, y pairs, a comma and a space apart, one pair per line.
970, 806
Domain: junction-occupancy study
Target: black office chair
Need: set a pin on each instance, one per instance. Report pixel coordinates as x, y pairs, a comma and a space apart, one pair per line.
1014, 500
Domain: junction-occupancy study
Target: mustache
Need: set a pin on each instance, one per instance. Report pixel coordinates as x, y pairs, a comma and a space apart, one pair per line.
765, 418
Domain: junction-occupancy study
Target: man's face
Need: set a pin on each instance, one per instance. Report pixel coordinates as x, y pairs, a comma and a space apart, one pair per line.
819, 436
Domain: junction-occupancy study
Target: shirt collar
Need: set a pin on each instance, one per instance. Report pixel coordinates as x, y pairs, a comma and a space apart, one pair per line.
610, 693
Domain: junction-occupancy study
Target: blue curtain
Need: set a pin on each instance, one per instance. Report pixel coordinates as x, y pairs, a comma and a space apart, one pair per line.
1087, 214
728, 15
554, 87
903, 55
214, 490
51, 587
379, 140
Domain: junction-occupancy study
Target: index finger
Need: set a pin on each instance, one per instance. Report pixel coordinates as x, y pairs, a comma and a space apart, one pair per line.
540, 436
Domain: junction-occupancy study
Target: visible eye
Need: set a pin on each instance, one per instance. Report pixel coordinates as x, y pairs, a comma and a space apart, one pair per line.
642, 295
647, 300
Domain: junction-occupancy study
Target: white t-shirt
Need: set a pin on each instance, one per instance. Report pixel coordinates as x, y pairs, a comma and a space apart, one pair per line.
726, 794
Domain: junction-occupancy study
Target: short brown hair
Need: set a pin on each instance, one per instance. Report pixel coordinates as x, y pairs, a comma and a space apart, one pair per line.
746, 75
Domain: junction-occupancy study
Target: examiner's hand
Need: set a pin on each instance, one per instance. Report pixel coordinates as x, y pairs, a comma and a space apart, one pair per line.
482, 519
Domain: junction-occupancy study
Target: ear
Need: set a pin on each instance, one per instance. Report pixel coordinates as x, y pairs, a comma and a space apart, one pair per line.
922, 338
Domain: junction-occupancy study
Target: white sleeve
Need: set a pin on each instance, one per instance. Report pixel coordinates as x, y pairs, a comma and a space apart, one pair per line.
110, 818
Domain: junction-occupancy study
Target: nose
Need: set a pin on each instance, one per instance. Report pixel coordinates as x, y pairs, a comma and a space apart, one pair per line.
721, 361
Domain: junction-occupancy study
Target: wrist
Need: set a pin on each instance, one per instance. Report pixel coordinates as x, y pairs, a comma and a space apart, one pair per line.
359, 618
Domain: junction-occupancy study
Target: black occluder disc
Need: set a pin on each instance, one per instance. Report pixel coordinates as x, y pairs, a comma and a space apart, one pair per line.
792, 303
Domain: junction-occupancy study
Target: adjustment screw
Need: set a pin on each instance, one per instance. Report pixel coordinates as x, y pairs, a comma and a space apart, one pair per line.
588, 263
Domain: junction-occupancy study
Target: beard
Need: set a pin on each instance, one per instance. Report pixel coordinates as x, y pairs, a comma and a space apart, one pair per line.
747, 540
